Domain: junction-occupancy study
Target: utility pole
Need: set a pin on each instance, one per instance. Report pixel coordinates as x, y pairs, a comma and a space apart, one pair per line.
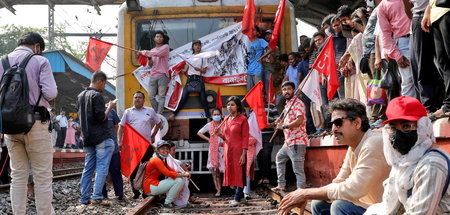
51, 27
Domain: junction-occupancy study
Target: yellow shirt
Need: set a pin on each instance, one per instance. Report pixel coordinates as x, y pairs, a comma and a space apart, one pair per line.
361, 177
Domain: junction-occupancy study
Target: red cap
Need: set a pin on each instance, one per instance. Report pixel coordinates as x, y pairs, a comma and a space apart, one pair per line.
406, 108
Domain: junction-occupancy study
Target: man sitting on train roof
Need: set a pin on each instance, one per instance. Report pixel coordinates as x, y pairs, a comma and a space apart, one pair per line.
359, 182
418, 182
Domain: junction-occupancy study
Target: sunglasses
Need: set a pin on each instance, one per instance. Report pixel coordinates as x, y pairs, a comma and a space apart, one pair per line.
339, 121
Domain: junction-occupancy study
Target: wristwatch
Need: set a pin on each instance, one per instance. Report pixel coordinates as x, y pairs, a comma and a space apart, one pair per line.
285, 127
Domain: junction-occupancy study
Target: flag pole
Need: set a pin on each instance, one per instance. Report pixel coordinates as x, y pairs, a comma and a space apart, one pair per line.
284, 113
190, 179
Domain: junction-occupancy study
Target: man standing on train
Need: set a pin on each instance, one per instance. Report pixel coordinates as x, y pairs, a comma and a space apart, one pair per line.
359, 182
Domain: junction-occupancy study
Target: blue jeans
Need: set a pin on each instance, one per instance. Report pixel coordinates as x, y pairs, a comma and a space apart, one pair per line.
116, 176
337, 207
97, 158
408, 88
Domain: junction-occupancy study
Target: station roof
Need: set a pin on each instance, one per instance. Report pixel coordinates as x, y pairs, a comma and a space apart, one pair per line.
310, 11
72, 77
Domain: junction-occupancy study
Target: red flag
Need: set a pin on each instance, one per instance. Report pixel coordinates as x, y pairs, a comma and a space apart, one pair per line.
248, 21
271, 91
278, 21
219, 103
255, 100
96, 53
134, 146
326, 64
142, 60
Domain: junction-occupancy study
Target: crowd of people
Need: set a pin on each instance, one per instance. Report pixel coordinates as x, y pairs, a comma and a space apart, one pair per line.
393, 71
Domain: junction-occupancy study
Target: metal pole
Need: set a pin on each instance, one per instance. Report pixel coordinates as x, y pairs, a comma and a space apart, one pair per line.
51, 27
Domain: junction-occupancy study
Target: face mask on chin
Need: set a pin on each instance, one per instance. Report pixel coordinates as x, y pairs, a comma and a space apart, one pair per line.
403, 141
162, 156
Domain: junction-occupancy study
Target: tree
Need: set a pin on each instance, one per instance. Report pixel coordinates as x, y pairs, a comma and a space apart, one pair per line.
9, 34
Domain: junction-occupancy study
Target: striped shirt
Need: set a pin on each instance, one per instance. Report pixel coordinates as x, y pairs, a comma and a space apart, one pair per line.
429, 178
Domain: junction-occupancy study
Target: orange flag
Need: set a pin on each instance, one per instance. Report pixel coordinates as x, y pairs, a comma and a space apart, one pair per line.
134, 146
325, 64
248, 21
278, 21
219, 103
255, 100
271, 91
96, 53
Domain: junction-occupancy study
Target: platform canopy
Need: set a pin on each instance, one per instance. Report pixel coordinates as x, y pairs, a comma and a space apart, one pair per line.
72, 77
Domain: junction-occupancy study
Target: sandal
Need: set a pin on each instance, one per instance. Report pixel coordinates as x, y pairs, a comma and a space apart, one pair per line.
278, 189
31, 197
101, 202
217, 194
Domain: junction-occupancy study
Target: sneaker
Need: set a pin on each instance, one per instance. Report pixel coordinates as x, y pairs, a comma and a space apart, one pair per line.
234, 203
247, 196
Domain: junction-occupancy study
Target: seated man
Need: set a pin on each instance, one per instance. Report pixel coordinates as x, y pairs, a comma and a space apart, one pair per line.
359, 182
418, 182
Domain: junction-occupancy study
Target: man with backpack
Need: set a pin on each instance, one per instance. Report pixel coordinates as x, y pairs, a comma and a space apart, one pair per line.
418, 181
27, 86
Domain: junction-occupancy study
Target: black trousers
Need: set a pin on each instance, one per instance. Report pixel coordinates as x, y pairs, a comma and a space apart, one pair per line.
4, 166
264, 156
191, 87
61, 137
425, 74
441, 34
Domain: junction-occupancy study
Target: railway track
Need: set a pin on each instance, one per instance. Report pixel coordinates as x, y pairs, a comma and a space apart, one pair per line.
263, 202
59, 174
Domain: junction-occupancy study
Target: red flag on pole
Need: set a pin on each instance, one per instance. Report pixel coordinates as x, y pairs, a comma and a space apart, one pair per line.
326, 64
271, 91
248, 21
96, 53
219, 103
255, 100
142, 60
134, 146
278, 21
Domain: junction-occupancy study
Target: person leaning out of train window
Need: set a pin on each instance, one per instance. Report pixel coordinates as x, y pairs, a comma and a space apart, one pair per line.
156, 167
359, 182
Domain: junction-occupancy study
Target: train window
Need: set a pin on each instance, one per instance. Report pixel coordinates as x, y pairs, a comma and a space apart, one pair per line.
178, 31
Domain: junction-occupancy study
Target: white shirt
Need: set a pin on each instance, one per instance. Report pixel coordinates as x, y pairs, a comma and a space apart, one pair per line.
196, 62
62, 121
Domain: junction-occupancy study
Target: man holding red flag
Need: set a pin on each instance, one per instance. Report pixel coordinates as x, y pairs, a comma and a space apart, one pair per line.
144, 120
294, 147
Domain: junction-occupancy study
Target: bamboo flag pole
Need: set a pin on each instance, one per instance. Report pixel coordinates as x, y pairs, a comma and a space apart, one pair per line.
194, 184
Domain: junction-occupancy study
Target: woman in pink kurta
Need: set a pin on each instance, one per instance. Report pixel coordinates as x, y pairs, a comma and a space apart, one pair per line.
70, 134
235, 133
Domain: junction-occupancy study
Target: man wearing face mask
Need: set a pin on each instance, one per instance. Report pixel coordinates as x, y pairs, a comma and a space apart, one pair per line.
359, 182
34, 147
418, 182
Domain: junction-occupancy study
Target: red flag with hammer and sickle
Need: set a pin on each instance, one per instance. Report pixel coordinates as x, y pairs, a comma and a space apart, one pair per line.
97, 51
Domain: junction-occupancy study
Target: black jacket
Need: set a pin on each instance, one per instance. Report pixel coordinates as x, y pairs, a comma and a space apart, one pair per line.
91, 111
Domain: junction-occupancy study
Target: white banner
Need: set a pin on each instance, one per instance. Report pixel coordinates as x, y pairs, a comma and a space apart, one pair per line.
228, 66
311, 88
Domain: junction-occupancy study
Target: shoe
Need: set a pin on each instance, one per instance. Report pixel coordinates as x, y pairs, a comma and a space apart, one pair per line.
376, 124
234, 203
217, 194
101, 202
247, 197
136, 196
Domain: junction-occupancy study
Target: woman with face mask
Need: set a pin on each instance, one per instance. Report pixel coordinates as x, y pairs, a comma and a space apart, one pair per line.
156, 167
215, 155
235, 133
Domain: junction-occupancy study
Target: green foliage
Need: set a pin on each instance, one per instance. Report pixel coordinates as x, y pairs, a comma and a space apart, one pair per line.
9, 34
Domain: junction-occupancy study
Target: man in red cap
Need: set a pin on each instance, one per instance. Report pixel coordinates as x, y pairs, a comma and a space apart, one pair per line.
419, 179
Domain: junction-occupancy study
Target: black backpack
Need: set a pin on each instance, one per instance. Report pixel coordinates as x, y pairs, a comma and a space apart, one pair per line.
17, 115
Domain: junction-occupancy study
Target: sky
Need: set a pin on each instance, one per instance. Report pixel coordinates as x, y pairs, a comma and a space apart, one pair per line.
84, 18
